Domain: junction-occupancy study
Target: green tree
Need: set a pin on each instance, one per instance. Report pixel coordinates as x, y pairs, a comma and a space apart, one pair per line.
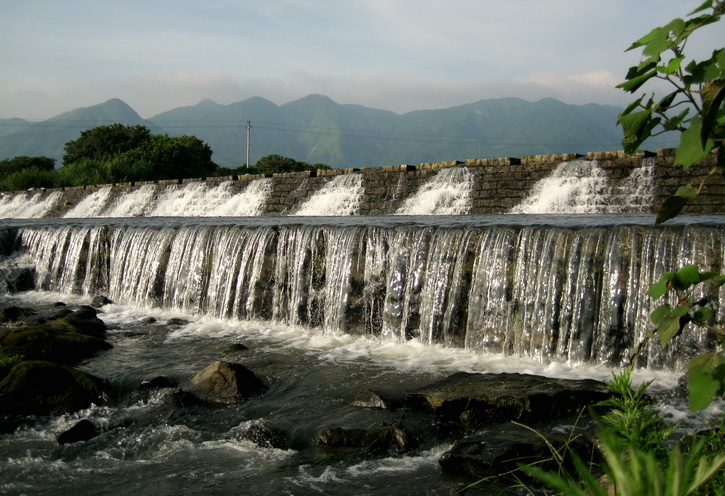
103, 142
277, 163
177, 157
12, 165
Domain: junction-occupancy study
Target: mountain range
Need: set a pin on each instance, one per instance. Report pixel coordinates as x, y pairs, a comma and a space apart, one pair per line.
316, 129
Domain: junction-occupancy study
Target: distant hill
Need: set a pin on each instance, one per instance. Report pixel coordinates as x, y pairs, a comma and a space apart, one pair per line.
48, 137
317, 129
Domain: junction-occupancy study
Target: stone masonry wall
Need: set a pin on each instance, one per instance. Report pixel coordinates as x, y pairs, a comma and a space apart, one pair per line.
499, 185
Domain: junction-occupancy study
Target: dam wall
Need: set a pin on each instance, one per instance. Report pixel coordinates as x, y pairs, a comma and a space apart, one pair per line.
495, 186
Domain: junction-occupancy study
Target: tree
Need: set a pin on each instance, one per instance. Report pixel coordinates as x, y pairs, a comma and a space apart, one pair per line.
176, 158
277, 163
696, 109
103, 142
12, 165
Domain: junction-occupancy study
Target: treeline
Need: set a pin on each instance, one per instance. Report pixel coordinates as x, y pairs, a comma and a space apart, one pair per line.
119, 153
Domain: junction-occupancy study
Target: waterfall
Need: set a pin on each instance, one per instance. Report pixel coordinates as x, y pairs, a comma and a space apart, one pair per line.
448, 193
582, 187
249, 202
92, 205
132, 203
341, 196
575, 294
28, 205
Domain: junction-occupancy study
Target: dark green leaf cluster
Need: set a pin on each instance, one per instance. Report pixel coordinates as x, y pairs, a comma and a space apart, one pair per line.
26, 172
120, 153
274, 163
695, 106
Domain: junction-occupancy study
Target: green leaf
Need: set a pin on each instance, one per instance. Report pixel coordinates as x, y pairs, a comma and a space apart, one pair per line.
687, 276
659, 313
675, 203
637, 127
672, 66
706, 379
637, 79
671, 325
719, 281
702, 315
712, 94
691, 149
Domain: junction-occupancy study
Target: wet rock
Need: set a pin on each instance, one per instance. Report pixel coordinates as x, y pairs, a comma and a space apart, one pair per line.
477, 400
384, 439
148, 320
501, 449
158, 383
224, 382
367, 398
82, 431
15, 314
45, 388
99, 301
265, 436
232, 348
177, 322
67, 340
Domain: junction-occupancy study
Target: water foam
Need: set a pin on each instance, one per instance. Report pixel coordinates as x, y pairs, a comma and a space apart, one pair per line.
447, 193
339, 197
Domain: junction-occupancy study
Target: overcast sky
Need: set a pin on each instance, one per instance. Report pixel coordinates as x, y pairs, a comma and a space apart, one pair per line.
398, 55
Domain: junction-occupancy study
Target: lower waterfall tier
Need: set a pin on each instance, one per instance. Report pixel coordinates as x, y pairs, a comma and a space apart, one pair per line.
548, 292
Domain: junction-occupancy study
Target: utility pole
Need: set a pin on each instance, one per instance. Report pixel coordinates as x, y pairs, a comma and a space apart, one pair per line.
249, 135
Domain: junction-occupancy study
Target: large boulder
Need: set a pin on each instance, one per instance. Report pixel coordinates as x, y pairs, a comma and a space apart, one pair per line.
45, 388
66, 340
477, 400
390, 439
224, 382
498, 451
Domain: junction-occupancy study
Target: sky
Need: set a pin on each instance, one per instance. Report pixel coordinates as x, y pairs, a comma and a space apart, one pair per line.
399, 55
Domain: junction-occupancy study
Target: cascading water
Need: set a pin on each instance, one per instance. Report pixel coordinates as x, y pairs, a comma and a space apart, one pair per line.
448, 193
92, 205
582, 187
28, 205
550, 293
341, 196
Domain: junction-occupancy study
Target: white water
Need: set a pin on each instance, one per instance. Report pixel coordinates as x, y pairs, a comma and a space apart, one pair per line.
582, 187
341, 196
447, 193
133, 203
91, 206
249, 202
28, 205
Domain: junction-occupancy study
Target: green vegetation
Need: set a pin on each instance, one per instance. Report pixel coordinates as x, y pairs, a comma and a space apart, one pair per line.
272, 164
639, 458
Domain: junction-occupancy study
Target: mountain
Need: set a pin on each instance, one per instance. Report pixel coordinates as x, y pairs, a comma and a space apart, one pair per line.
48, 137
317, 129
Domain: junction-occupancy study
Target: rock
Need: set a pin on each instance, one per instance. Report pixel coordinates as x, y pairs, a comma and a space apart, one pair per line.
66, 341
82, 431
15, 314
237, 347
177, 322
85, 321
500, 449
45, 388
157, 383
385, 439
368, 398
99, 301
148, 320
265, 436
477, 400
224, 382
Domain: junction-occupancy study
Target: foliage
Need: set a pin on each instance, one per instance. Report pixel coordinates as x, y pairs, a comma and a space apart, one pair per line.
17, 164
706, 372
103, 142
695, 106
636, 463
29, 178
272, 164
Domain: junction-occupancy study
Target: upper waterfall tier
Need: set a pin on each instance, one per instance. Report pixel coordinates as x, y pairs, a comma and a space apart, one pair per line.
609, 183
549, 292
